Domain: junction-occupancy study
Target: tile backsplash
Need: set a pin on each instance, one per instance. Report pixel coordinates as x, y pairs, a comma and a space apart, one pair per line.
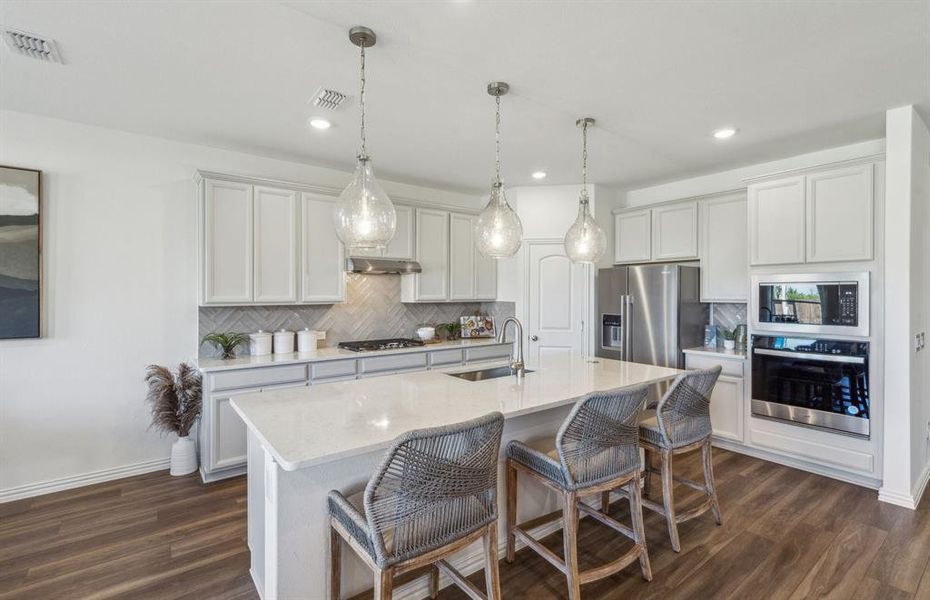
729, 315
372, 310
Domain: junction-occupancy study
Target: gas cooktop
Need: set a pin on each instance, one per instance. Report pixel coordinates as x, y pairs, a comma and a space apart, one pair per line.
387, 344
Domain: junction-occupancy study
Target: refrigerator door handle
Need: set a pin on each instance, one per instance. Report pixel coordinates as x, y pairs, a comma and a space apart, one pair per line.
627, 348
622, 339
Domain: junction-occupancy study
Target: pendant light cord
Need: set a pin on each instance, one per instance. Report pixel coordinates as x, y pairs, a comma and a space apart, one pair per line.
363, 153
497, 139
584, 162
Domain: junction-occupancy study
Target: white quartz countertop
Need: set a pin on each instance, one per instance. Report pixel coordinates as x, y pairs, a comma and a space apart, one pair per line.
717, 352
308, 426
210, 365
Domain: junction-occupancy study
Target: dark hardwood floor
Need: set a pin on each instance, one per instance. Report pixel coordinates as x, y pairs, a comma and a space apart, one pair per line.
786, 534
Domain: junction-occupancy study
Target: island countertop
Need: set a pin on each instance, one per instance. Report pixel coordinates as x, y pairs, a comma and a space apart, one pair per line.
307, 426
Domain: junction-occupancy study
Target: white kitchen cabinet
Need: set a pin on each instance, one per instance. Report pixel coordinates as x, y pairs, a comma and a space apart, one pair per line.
675, 231
839, 214
432, 252
401, 245
461, 257
275, 241
726, 408
724, 250
485, 277
227, 242
633, 236
776, 222
322, 254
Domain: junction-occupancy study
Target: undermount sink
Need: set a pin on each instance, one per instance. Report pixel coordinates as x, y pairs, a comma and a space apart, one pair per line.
482, 374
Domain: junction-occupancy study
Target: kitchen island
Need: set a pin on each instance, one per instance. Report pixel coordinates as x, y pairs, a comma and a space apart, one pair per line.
303, 442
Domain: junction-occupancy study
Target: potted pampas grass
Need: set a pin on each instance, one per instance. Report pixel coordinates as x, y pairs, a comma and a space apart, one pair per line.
175, 400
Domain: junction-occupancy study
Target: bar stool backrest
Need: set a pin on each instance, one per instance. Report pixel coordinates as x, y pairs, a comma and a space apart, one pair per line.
684, 411
599, 440
433, 487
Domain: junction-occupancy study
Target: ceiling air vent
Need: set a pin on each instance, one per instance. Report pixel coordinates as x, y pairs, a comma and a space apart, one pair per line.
328, 99
32, 45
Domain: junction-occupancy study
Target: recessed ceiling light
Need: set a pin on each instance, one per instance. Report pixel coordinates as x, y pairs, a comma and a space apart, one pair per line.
724, 133
320, 123
539, 174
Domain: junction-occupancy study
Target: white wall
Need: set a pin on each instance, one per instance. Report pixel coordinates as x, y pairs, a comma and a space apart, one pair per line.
907, 290
119, 245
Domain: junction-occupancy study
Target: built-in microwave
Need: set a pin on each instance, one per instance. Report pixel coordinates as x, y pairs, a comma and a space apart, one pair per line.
812, 303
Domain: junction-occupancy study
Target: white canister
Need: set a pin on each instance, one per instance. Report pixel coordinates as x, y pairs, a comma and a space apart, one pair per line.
306, 340
260, 343
283, 342
426, 333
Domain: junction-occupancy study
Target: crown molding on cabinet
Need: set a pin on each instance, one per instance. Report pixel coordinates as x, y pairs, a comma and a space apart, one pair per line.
818, 167
325, 190
712, 195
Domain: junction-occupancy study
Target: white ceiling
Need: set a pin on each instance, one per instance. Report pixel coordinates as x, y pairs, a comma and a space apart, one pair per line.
658, 77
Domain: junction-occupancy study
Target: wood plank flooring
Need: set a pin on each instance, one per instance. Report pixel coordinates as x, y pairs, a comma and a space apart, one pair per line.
787, 534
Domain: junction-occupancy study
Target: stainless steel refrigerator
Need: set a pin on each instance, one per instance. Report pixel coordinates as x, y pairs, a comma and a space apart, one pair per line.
650, 313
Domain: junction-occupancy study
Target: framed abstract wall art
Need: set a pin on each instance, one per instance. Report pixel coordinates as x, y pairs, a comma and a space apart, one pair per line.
20, 253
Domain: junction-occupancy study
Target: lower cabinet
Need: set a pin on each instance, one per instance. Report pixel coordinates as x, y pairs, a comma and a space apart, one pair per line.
223, 439
727, 402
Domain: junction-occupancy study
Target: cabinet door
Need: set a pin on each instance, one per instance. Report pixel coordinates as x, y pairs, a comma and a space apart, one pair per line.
839, 214
724, 250
776, 222
401, 246
461, 257
726, 408
485, 277
675, 231
227, 242
227, 438
633, 236
322, 257
432, 252
275, 242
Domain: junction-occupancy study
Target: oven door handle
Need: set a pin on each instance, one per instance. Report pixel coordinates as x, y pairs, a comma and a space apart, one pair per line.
856, 360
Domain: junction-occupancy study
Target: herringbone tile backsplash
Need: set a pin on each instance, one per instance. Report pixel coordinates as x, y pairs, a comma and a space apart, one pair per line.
372, 310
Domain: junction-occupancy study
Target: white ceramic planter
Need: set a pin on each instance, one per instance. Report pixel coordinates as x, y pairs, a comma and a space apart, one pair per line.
729, 344
183, 456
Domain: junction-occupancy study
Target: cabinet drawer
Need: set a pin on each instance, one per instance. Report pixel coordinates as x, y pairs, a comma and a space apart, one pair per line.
331, 368
731, 366
260, 377
487, 353
445, 357
400, 362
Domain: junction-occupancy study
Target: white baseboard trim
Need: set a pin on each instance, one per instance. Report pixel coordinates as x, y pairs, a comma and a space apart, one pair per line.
75, 481
921, 485
467, 564
775, 457
907, 500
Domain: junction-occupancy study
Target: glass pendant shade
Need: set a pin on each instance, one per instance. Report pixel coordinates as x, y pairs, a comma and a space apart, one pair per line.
364, 215
498, 230
585, 241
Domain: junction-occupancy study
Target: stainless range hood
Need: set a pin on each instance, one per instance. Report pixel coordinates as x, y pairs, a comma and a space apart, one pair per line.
381, 266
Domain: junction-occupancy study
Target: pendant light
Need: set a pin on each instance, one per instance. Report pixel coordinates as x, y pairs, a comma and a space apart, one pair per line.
364, 215
585, 241
498, 231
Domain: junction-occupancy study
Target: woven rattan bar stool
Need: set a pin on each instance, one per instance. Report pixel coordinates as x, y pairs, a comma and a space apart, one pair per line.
434, 493
679, 424
595, 451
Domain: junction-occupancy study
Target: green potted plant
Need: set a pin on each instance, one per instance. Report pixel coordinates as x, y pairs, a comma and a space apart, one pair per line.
175, 400
453, 331
729, 337
226, 343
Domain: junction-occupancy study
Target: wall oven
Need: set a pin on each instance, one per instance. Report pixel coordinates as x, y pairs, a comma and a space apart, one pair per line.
811, 303
814, 382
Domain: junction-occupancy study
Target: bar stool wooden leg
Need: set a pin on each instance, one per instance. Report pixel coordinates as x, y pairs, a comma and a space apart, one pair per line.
511, 516
384, 584
605, 502
647, 466
570, 535
709, 481
433, 581
335, 564
491, 574
639, 530
668, 499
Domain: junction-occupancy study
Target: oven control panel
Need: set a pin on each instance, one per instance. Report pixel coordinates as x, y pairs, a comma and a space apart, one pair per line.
811, 345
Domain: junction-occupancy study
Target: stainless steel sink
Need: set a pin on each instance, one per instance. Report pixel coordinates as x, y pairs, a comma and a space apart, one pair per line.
483, 374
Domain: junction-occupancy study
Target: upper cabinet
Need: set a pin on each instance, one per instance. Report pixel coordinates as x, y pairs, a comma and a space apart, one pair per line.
667, 232
675, 231
452, 268
724, 250
824, 216
268, 245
